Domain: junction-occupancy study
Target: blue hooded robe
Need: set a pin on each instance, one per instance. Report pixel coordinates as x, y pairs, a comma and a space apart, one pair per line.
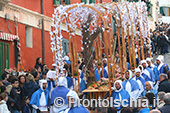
148, 75
82, 85
155, 71
69, 82
77, 109
82, 75
105, 73
134, 87
59, 91
97, 75
124, 95
161, 67
144, 110
49, 85
35, 99
155, 92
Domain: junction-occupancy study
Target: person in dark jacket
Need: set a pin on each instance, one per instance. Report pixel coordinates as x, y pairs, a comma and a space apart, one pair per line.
164, 84
27, 107
5, 79
36, 75
15, 95
162, 42
22, 80
30, 87
165, 108
39, 63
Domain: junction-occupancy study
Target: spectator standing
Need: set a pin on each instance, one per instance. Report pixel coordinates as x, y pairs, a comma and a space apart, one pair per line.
162, 42
168, 74
29, 87
36, 75
3, 106
38, 63
22, 80
161, 100
5, 79
165, 108
27, 107
15, 95
164, 84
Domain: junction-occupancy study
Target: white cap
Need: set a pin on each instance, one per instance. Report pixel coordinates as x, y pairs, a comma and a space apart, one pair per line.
66, 58
62, 81
151, 84
51, 74
148, 59
160, 58
54, 65
137, 70
41, 83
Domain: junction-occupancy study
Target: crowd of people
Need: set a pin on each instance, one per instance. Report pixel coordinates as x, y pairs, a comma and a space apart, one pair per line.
160, 38
36, 91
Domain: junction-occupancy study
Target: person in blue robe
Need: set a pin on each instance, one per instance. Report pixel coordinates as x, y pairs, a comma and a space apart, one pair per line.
60, 91
74, 106
145, 110
51, 80
130, 85
147, 73
67, 62
82, 73
97, 72
149, 88
40, 100
162, 67
153, 68
128, 66
140, 80
105, 73
105, 62
121, 94
69, 80
82, 84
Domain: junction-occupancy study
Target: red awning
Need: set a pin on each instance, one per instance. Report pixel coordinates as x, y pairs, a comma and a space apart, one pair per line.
8, 37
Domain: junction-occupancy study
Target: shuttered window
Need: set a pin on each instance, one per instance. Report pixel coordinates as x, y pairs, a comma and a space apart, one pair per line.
4, 57
61, 2
65, 46
165, 11
88, 1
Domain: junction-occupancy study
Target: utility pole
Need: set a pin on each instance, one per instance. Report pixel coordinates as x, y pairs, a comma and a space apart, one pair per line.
42, 32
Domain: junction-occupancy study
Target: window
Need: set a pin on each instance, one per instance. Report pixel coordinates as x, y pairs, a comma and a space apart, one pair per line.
165, 11
28, 36
65, 46
88, 1
61, 2
4, 57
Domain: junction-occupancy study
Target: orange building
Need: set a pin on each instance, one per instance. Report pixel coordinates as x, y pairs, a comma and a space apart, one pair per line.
22, 20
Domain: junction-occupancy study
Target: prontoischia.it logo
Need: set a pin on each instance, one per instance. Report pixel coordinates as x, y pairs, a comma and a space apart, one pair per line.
59, 102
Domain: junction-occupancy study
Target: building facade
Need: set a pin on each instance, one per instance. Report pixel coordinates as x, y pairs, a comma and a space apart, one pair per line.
164, 11
21, 32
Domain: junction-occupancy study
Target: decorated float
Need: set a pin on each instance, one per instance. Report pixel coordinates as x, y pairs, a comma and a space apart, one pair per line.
118, 30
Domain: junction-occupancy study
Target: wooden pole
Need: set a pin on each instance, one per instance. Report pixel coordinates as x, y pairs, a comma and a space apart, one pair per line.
132, 39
